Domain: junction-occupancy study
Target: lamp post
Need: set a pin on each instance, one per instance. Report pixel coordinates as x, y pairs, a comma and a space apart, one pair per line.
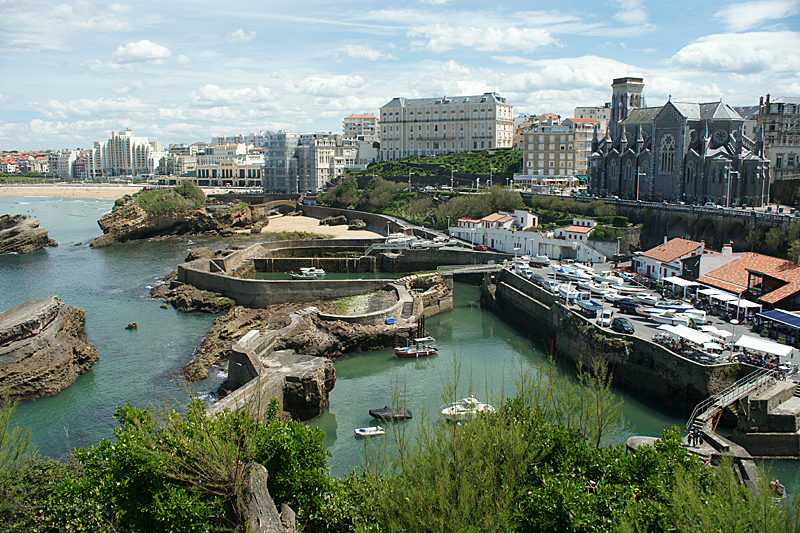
451, 177
733, 335
298, 185
448, 225
490, 177
409, 181
728, 194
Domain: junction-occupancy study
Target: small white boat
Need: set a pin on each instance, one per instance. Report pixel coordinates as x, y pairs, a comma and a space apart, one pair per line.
698, 315
575, 275
419, 347
371, 431
608, 277
308, 273
675, 305
466, 408
646, 299
671, 317
568, 292
540, 260
426, 244
400, 238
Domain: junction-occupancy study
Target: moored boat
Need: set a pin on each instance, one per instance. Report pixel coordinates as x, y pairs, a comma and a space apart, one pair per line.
466, 408
607, 277
646, 299
370, 431
670, 317
418, 347
390, 413
308, 273
540, 260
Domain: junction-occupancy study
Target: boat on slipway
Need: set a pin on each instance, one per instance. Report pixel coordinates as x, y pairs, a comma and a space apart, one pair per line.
539, 260
418, 347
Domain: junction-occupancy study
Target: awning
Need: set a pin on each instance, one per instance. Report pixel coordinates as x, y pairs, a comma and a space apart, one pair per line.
691, 335
748, 303
675, 280
713, 346
760, 345
712, 330
783, 317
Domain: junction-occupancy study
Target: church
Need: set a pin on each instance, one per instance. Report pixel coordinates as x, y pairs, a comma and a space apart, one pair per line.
689, 152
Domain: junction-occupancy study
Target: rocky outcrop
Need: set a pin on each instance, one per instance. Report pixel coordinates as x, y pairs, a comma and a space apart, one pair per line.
43, 348
22, 234
129, 221
340, 220
324, 338
190, 299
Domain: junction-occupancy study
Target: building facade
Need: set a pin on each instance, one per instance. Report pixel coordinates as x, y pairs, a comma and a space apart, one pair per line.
361, 127
244, 170
434, 126
256, 139
558, 149
306, 162
779, 120
692, 152
126, 155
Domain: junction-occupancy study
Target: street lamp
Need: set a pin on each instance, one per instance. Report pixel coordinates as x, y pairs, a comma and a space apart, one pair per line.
298, 184
409, 180
733, 335
490, 177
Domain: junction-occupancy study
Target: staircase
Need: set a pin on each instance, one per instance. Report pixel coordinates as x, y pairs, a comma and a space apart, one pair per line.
711, 407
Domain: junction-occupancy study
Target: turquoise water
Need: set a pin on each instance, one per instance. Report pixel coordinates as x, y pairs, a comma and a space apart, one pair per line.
112, 285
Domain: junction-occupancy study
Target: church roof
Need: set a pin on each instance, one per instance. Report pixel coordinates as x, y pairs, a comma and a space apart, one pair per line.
641, 114
706, 111
748, 112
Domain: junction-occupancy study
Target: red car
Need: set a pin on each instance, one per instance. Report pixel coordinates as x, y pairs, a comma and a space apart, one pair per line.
480, 247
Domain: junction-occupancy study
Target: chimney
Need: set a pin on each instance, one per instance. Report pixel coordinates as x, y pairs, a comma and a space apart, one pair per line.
665, 239
727, 249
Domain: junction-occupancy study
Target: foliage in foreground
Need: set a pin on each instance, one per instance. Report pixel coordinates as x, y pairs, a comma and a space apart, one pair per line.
184, 196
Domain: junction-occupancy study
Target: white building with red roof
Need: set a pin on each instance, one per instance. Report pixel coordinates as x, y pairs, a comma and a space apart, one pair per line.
664, 260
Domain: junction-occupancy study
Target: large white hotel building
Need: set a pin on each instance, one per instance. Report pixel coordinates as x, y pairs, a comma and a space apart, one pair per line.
435, 126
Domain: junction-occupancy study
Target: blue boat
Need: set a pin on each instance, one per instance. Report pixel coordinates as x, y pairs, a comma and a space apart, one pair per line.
591, 307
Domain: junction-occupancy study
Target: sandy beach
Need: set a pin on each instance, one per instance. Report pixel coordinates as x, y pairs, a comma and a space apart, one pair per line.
311, 225
111, 192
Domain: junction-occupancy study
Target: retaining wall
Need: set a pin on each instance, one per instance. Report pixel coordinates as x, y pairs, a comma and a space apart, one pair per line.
344, 264
413, 260
374, 221
636, 364
367, 319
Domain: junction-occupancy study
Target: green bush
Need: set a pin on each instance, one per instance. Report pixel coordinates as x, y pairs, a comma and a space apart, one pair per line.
605, 233
619, 222
185, 196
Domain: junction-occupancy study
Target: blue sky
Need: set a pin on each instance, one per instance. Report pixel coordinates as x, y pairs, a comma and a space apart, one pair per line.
70, 73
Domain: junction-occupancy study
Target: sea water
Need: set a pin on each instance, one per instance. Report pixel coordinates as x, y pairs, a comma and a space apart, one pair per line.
139, 366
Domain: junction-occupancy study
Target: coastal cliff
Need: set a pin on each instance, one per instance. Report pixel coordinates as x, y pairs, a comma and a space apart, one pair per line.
22, 234
43, 348
178, 211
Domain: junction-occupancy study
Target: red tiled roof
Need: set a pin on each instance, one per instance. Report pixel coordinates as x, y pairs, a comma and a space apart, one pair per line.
577, 229
360, 116
467, 219
734, 275
672, 250
585, 120
496, 217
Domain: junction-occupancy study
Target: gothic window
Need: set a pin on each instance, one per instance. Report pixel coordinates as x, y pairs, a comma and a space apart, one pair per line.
627, 171
689, 172
613, 171
667, 153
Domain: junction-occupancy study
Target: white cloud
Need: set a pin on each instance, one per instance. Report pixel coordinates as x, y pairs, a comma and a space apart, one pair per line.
141, 51
443, 37
360, 51
239, 36
332, 86
631, 12
215, 95
435, 2
183, 59
742, 17
743, 53
89, 108
35, 25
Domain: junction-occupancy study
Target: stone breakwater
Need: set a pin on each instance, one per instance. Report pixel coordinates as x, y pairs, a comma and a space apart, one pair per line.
43, 348
22, 234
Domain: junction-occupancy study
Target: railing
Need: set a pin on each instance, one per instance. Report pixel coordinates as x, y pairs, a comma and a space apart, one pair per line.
716, 403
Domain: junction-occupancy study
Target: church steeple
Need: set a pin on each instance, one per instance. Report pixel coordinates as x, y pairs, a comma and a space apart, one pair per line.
639, 140
627, 94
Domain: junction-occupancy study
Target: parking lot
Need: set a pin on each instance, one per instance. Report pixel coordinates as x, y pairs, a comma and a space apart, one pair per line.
647, 329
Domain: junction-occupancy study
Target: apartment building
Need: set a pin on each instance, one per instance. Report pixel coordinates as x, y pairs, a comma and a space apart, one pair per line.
361, 127
126, 155
306, 162
242, 170
779, 120
435, 126
601, 114
559, 149
256, 139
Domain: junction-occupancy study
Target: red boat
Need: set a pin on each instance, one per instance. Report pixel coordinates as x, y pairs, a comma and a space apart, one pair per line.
417, 348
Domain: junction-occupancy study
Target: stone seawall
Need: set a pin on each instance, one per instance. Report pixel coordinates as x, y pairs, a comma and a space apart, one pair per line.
637, 364
343, 265
430, 259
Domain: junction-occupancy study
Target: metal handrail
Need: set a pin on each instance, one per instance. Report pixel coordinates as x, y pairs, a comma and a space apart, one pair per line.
737, 390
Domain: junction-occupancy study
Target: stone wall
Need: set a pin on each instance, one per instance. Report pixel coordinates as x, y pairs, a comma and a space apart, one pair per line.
414, 260
637, 365
367, 319
344, 264
374, 221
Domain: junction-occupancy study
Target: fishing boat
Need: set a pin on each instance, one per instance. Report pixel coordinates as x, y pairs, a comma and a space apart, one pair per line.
390, 413
466, 408
568, 292
540, 260
371, 431
308, 273
607, 277
646, 299
400, 238
630, 290
674, 305
575, 275
418, 347
670, 317
589, 306
426, 244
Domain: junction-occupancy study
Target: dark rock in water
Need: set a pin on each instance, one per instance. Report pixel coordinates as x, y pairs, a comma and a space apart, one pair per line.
132, 325
188, 298
22, 234
43, 348
388, 413
199, 253
164, 306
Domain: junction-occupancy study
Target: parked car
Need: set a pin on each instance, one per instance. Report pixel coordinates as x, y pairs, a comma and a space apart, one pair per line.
622, 325
538, 279
606, 315
712, 205
620, 258
627, 305
480, 247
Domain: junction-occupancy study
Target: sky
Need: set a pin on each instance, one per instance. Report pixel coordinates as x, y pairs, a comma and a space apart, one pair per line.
175, 72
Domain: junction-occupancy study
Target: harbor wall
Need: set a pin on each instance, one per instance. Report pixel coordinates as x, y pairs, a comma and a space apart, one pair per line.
417, 259
329, 264
637, 365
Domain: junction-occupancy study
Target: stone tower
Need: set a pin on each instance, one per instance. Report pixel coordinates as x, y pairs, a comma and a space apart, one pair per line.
627, 94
